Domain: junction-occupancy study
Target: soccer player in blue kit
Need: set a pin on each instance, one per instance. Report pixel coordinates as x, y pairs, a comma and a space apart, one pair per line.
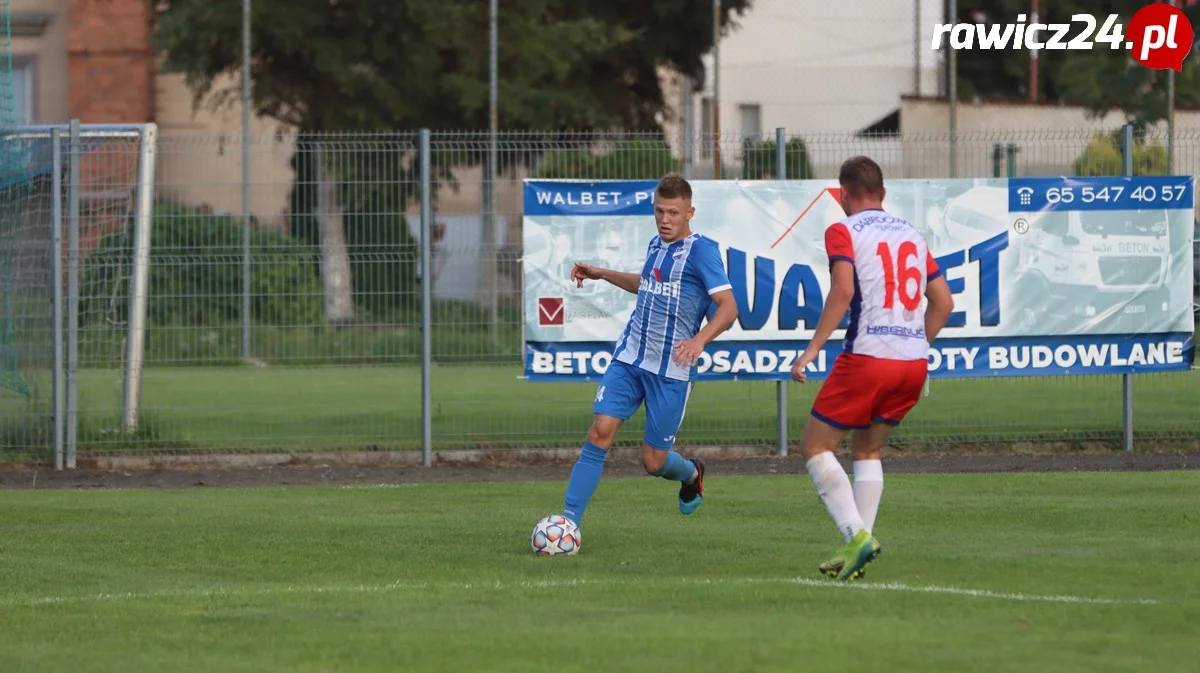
654, 361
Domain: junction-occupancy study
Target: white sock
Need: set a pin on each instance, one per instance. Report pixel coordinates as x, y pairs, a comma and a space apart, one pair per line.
868, 490
836, 492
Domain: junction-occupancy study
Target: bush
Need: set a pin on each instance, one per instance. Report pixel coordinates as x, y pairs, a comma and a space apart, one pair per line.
196, 274
628, 160
759, 160
1102, 157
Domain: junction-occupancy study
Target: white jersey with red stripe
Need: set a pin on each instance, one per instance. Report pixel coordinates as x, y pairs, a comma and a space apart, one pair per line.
892, 268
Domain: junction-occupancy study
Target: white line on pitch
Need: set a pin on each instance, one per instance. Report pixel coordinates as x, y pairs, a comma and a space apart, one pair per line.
972, 593
220, 592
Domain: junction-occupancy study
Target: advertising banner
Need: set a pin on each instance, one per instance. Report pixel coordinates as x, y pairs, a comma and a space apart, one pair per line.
1051, 276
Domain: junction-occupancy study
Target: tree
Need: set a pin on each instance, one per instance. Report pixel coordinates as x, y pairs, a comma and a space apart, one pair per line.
405, 64
1115, 82
350, 203
399, 65
1100, 78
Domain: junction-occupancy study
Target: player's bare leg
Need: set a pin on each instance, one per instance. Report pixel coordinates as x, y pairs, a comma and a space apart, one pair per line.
585, 476
603, 430
833, 486
670, 465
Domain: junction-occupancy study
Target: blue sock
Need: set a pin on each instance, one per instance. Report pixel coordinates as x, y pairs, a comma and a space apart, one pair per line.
585, 477
677, 468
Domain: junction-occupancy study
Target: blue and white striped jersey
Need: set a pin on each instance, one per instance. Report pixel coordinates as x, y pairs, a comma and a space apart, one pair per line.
678, 280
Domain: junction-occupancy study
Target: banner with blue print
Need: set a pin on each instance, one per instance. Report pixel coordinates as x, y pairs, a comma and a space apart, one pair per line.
582, 197
1043, 263
948, 358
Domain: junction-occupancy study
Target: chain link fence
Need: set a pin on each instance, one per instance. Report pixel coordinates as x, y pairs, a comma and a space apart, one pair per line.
329, 355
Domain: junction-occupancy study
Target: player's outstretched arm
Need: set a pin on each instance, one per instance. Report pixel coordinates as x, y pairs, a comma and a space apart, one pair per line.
841, 293
626, 281
941, 305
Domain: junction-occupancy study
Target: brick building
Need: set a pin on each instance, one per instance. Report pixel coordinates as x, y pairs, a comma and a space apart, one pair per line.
92, 60
89, 59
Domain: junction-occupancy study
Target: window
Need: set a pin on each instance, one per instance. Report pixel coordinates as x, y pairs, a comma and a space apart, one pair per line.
22, 83
751, 120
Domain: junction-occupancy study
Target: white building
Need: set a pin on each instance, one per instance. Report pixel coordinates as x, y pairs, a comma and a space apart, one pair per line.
812, 67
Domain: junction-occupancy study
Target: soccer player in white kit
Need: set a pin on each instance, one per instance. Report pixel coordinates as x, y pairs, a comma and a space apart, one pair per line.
881, 269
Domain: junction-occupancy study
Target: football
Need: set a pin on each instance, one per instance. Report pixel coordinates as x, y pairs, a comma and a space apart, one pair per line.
555, 535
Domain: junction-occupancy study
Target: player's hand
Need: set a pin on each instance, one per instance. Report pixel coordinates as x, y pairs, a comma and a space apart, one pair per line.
583, 272
688, 352
798, 373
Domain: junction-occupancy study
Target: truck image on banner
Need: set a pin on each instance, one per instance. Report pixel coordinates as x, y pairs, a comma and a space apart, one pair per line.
1050, 276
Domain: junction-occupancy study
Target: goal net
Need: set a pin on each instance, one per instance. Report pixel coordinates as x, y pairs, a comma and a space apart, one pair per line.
63, 191
16, 190
74, 258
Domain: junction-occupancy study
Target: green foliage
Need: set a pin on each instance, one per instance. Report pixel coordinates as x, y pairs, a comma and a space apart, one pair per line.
381, 65
406, 64
625, 160
759, 159
1106, 84
1103, 79
1103, 157
196, 274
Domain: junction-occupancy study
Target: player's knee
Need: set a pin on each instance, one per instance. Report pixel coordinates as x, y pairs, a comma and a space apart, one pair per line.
866, 449
819, 437
866, 454
601, 434
653, 459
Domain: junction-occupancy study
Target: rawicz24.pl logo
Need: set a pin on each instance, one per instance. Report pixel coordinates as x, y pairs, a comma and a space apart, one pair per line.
1158, 36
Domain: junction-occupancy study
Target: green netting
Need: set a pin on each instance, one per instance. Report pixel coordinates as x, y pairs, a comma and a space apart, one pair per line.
16, 189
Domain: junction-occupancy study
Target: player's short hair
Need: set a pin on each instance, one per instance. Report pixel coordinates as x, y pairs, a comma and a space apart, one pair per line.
673, 186
861, 176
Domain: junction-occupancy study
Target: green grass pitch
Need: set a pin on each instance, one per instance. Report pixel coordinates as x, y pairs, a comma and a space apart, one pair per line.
1059, 572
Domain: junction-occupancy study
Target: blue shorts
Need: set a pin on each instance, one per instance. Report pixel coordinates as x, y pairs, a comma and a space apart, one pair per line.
624, 388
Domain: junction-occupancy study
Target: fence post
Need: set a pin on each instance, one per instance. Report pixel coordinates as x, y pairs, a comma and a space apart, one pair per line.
689, 114
1127, 378
74, 187
246, 105
491, 250
781, 390
56, 223
139, 283
426, 305
716, 98
952, 93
